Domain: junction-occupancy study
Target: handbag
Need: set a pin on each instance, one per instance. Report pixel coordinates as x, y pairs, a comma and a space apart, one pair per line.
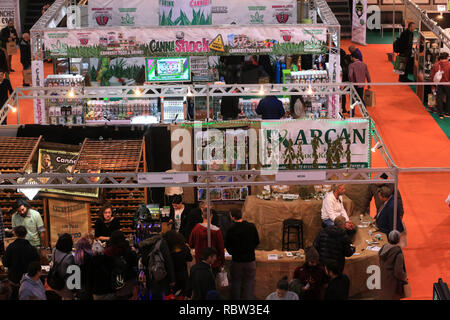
369, 98
54, 279
222, 278
406, 290
400, 65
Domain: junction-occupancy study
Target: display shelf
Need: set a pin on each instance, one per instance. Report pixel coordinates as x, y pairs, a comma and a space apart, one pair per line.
122, 111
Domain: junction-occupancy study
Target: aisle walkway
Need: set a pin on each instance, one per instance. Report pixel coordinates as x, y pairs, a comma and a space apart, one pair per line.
414, 139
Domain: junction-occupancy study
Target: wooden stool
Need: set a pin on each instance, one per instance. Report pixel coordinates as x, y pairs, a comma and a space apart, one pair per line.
296, 226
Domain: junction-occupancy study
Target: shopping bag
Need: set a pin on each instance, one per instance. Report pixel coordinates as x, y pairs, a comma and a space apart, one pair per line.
11, 48
406, 291
400, 65
369, 98
27, 76
431, 100
222, 278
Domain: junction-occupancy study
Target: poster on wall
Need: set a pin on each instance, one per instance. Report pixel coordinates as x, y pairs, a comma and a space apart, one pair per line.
56, 161
68, 217
185, 12
359, 24
254, 12
9, 10
37, 74
127, 13
186, 41
357, 131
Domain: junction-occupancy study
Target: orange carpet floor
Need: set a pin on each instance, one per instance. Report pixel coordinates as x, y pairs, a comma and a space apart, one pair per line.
414, 139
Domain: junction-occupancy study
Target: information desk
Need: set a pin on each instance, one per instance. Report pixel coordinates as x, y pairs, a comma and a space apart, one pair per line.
269, 272
268, 217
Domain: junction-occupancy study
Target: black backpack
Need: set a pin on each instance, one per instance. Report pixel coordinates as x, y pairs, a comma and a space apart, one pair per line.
118, 273
397, 45
54, 279
153, 260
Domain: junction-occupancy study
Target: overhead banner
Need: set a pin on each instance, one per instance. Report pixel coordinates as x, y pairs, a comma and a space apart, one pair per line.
186, 41
57, 161
254, 12
359, 22
68, 217
185, 12
37, 74
127, 13
301, 132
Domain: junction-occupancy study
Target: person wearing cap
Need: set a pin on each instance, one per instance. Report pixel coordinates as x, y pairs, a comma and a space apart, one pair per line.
312, 276
393, 270
31, 220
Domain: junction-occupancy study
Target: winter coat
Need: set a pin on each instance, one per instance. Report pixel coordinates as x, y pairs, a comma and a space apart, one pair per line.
393, 272
25, 54
333, 245
31, 289
199, 241
17, 257
406, 43
201, 280
385, 218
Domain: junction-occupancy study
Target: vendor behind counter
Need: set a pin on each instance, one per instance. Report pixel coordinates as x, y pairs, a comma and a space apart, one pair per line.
271, 108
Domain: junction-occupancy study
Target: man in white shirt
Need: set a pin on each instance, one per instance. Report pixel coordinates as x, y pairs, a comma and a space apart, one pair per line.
333, 205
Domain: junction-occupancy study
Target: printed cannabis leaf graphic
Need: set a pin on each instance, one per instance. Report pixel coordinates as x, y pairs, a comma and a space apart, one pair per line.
257, 18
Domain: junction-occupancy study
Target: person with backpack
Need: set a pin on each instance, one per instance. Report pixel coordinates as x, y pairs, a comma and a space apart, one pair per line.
157, 263
181, 255
404, 47
201, 279
83, 259
62, 258
124, 265
441, 73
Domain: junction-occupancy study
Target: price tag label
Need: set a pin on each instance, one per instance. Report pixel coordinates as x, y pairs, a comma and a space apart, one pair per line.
163, 178
301, 176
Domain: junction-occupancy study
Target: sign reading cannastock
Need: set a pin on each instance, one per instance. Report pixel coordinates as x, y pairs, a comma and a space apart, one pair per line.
186, 41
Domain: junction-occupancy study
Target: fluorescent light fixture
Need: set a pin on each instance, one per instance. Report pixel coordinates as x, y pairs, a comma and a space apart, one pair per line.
377, 145
144, 120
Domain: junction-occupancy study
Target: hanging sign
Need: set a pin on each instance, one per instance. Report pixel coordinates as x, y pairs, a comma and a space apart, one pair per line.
186, 41
254, 12
276, 134
185, 12
359, 21
37, 74
68, 217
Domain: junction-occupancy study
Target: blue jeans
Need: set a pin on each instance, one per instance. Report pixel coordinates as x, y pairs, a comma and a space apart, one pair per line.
328, 222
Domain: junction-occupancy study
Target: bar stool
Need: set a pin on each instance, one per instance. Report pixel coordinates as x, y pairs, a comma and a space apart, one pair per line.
292, 227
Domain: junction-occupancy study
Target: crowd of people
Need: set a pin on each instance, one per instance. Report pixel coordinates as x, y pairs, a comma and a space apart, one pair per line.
163, 266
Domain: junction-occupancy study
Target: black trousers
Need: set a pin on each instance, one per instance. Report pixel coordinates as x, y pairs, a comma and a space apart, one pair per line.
408, 70
443, 99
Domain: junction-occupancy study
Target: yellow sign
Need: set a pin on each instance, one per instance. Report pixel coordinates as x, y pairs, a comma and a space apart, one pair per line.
217, 44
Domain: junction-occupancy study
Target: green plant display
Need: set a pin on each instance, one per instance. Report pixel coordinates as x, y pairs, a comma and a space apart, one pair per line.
329, 154
315, 143
290, 155
300, 156
348, 153
198, 18
338, 151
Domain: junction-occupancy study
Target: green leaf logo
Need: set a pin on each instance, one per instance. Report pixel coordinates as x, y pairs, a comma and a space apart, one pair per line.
127, 20
257, 18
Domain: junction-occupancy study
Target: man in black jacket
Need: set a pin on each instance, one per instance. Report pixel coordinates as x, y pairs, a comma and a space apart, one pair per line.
241, 242
339, 285
406, 41
25, 53
201, 279
8, 34
333, 244
18, 256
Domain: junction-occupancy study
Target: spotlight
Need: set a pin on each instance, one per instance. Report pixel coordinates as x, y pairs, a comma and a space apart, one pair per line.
138, 92
13, 109
310, 90
71, 93
261, 91
354, 105
375, 147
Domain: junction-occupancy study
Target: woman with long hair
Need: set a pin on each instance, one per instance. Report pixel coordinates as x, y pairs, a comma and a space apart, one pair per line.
83, 258
63, 257
181, 255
